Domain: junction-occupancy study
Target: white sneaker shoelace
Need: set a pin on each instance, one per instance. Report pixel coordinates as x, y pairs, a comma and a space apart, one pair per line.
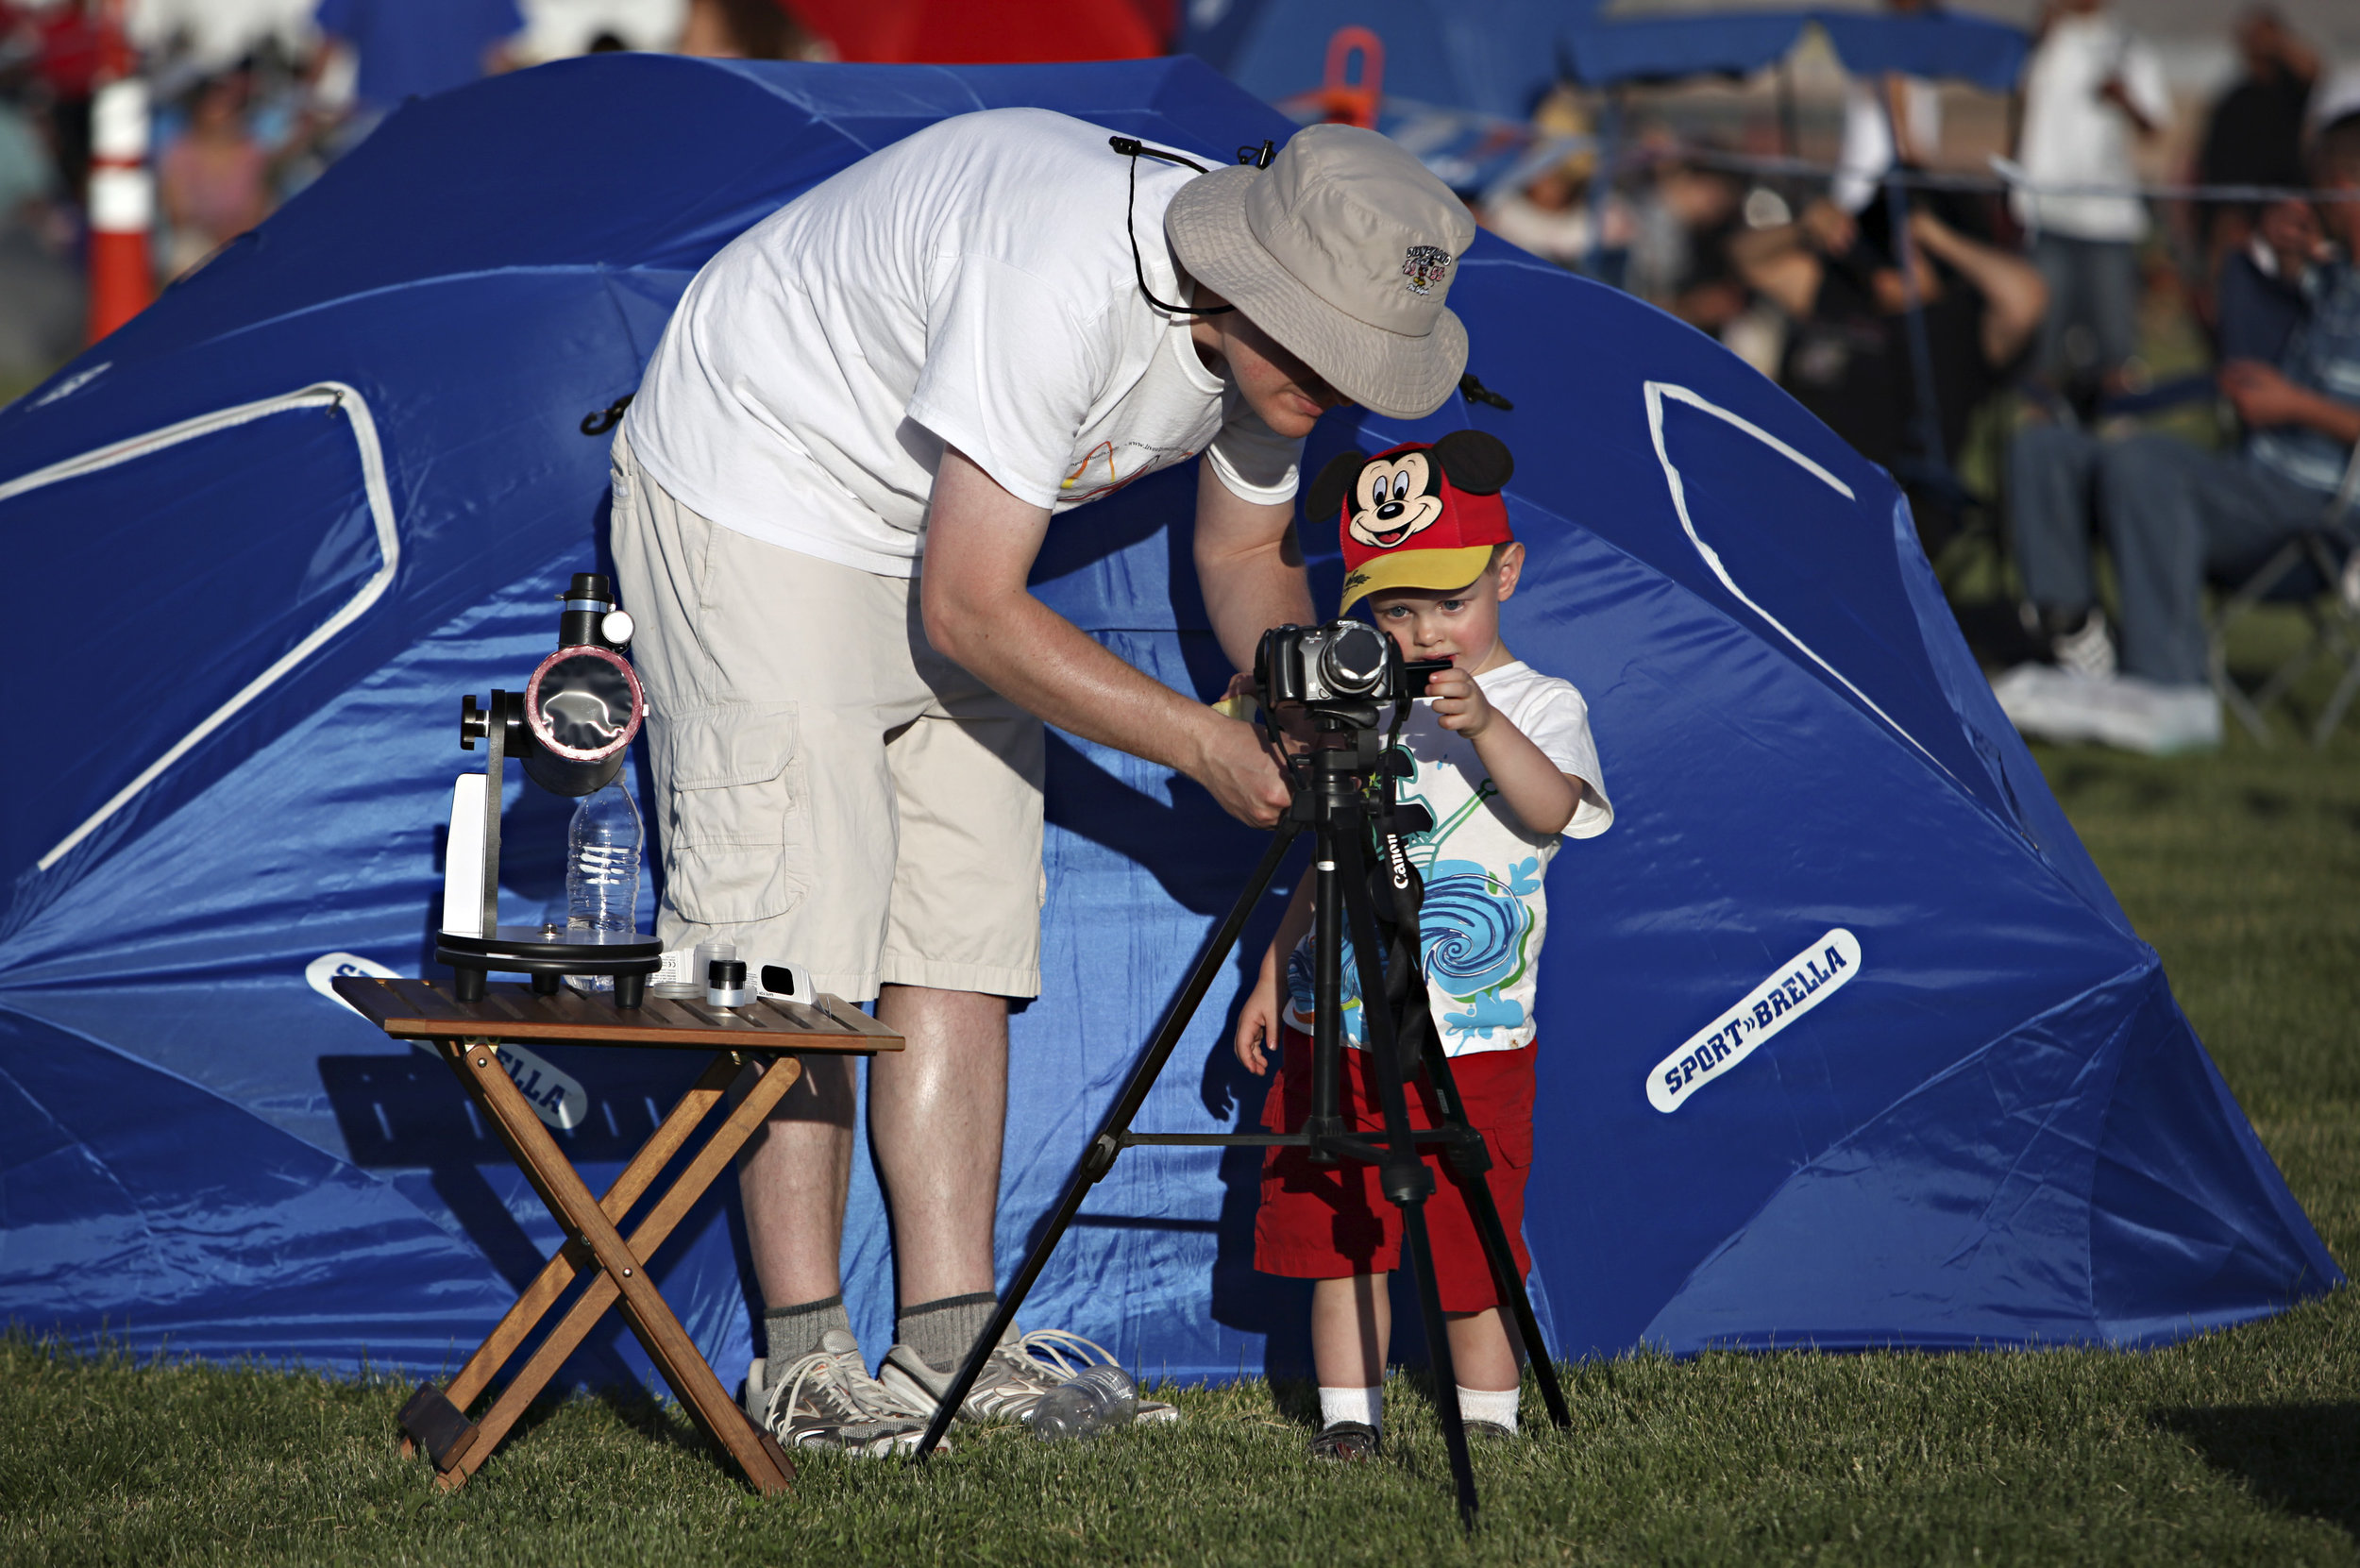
829, 1392
1025, 1369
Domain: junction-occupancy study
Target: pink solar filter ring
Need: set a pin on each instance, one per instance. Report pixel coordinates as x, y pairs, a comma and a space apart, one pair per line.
584, 703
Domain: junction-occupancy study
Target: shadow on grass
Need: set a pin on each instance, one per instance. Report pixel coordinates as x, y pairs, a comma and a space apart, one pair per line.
2299, 1459
634, 1409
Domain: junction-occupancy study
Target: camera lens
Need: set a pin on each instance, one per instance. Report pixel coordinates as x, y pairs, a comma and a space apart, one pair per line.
1352, 661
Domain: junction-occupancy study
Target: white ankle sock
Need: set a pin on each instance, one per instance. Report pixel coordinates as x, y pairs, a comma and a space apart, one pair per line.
1485, 1405
1365, 1406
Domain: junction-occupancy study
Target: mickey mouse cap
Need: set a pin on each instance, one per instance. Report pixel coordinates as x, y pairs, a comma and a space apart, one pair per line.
1342, 250
1404, 524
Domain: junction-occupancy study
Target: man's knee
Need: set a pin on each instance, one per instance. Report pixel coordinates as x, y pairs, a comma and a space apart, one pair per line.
2047, 451
2141, 474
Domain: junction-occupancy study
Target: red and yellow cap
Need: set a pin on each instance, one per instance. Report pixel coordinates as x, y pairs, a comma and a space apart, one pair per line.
1416, 515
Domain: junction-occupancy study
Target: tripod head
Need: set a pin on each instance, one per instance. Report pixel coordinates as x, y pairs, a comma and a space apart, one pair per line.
1340, 678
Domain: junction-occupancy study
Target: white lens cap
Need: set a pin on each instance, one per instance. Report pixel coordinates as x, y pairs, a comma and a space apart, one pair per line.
617, 627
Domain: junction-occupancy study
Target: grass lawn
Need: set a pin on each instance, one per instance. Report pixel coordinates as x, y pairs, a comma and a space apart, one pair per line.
2240, 1447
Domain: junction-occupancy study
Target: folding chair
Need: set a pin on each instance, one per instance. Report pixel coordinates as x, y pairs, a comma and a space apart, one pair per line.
2315, 571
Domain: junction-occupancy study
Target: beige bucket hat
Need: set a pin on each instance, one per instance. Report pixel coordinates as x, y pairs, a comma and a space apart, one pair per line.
1343, 250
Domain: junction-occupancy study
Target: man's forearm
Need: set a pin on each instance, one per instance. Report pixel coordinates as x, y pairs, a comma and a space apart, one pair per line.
1248, 566
1248, 595
2337, 421
1045, 664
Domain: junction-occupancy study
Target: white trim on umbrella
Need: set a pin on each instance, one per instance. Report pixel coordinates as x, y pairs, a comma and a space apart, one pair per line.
334, 395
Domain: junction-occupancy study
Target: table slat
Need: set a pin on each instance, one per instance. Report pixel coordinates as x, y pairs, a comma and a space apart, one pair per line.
419, 1010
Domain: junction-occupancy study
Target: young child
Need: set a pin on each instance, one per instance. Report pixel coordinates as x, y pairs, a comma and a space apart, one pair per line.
1501, 758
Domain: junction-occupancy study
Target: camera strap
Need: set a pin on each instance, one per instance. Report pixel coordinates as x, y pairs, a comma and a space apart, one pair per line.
1404, 889
1135, 150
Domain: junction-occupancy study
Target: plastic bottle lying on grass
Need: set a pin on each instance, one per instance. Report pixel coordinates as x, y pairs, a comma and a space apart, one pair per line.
1091, 1402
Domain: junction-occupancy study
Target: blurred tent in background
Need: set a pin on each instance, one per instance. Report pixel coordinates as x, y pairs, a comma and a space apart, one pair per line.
1493, 57
1498, 57
1847, 1043
1458, 85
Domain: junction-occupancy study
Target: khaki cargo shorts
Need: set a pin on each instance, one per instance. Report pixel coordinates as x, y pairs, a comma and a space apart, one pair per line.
829, 790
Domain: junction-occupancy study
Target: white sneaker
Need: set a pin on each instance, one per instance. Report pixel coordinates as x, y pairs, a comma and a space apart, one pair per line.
2045, 704
2123, 711
2174, 721
828, 1400
1021, 1369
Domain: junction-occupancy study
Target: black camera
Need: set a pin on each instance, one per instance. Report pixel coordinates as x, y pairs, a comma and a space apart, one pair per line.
1343, 664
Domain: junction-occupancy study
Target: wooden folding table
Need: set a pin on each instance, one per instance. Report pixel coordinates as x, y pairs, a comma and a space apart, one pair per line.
760, 1042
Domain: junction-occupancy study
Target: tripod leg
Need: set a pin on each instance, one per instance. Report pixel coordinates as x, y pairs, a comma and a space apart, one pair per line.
1098, 1156
1418, 1253
1405, 1180
1494, 1232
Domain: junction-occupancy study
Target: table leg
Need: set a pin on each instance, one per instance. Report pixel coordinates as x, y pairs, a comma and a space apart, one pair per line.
601, 1293
668, 1344
571, 1260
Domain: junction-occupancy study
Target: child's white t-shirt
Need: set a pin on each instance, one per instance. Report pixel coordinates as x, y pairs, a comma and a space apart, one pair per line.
969, 285
1485, 912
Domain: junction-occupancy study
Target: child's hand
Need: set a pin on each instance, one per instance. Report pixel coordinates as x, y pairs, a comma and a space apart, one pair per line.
1258, 1020
1458, 702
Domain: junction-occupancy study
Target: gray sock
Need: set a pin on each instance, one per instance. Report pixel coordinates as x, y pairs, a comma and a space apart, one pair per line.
943, 1331
792, 1332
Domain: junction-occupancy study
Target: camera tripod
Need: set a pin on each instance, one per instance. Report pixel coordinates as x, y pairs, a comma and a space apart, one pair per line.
1332, 787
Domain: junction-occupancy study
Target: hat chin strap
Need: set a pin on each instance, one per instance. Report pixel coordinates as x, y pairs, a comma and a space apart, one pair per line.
1135, 150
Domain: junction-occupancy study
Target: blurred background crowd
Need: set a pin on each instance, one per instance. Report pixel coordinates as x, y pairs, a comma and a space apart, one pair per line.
1934, 227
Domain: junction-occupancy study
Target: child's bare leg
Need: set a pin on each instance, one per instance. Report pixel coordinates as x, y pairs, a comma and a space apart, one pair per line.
1352, 1320
1480, 1350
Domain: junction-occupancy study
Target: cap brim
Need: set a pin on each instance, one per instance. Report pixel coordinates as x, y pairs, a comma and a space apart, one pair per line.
1437, 570
1400, 377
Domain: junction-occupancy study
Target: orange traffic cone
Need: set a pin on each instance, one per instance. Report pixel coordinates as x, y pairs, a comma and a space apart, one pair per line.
122, 205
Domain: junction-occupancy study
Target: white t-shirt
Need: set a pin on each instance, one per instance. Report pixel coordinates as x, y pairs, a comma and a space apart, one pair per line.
2073, 137
1485, 912
1868, 149
969, 285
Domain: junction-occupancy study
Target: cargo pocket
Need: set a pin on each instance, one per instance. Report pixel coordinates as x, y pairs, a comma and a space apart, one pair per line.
739, 848
1511, 1146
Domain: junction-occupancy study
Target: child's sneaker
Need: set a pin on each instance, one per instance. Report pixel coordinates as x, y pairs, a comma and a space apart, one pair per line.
1022, 1369
1344, 1441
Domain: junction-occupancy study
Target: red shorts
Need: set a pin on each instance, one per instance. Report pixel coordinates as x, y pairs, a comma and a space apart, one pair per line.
1331, 1222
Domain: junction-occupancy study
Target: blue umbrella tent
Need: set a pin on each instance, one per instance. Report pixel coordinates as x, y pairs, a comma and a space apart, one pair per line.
1847, 1039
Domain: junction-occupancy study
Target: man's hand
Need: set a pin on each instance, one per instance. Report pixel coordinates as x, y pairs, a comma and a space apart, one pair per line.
2259, 395
1832, 231
1233, 764
1458, 702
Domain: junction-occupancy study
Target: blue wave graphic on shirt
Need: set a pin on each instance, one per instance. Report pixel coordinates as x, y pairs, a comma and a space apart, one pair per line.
1475, 930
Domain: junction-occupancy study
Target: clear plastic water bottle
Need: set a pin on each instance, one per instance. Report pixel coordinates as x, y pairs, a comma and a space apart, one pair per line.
602, 871
1091, 1402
